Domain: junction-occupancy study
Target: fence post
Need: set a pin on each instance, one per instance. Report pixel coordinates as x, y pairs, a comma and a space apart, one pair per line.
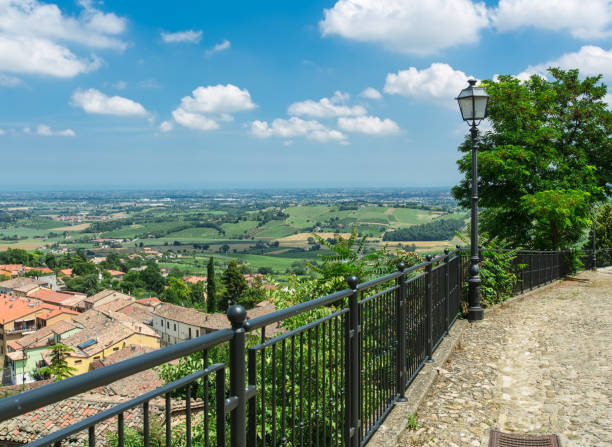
446, 292
429, 308
353, 368
236, 314
400, 312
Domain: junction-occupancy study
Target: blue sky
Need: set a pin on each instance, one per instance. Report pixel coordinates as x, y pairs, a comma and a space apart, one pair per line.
330, 93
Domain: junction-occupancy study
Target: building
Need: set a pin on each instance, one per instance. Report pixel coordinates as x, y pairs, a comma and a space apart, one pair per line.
175, 324
58, 298
103, 333
25, 355
18, 317
103, 297
21, 286
116, 275
12, 270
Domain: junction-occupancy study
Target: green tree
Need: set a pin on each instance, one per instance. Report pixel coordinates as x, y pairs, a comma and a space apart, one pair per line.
545, 162
152, 278
59, 368
211, 287
177, 292
196, 293
234, 283
254, 294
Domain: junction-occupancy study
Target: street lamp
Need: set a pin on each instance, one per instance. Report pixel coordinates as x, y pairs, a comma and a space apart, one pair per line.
473, 105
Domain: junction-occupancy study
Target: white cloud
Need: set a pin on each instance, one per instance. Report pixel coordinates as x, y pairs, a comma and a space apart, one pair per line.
439, 82
219, 47
149, 83
583, 19
120, 85
296, 127
370, 93
32, 55
2, 132
189, 36
608, 100
326, 107
34, 35
46, 131
218, 99
210, 104
407, 26
371, 125
9, 81
194, 120
590, 60
166, 126
94, 101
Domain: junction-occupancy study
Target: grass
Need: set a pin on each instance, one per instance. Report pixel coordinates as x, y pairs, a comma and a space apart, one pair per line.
275, 229
233, 230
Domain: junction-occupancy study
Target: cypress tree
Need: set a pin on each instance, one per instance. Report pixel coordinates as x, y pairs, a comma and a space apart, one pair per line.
210, 287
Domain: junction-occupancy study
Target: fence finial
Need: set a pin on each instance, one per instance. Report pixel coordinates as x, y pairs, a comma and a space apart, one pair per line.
236, 314
428, 258
352, 282
401, 266
446, 251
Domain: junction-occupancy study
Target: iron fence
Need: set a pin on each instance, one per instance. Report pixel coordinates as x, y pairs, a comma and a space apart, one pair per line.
330, 381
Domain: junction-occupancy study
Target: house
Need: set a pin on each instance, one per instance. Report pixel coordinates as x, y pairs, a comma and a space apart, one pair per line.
116, 275
18, 317
152, 301
103, 297
97, 260
12, 270
66, 272
54, 316
194, 279
175, 323
21, 286
64, 299
25, 355
46, 275
102, 334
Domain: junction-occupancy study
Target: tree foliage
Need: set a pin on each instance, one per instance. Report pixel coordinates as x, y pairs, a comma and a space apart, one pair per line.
545, 162
437, 230
211, 287
58, 368
234, 283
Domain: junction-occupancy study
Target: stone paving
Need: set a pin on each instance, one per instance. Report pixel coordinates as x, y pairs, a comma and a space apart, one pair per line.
540, 364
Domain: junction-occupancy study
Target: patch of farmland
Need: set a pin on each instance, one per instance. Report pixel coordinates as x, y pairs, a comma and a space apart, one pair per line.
275, 229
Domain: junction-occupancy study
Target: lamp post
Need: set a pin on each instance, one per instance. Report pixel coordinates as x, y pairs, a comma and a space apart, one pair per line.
594, 255
473, 106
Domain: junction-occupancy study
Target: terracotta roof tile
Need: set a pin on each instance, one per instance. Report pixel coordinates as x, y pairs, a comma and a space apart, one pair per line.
13, 307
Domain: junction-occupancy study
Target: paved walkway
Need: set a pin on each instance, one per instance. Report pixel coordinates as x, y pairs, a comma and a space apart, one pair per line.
541, 364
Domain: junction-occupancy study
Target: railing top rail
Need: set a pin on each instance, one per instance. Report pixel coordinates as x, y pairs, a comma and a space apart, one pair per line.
279, 315
374, 282
120, 408
31, 400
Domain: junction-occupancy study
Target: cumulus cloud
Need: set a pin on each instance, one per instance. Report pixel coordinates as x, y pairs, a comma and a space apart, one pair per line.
583, 19
326, 107
189, 36
166, 126
407, 26
590, 60
32, 55
34, 35
46, 131
219, 47
370, 93
208, 105
94, 101
439, 82
370, 125
9, 81
296, 127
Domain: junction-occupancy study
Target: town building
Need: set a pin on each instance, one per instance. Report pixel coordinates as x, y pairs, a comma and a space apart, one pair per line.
175, 324
103, 297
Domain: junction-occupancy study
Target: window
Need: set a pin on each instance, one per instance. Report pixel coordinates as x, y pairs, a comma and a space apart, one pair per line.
76, 362
97, 357
175, 326
168, 323
197, 332
162, 323
189, 332
115, 349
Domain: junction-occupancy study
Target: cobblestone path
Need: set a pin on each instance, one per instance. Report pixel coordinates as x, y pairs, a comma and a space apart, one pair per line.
540, 364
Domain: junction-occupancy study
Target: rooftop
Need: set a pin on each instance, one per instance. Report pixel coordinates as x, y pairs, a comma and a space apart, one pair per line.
14, 307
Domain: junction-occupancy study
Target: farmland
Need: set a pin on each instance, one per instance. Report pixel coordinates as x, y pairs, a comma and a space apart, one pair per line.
262, 231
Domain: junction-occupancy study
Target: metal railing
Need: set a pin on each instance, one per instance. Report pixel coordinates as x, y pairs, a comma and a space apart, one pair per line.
329, 381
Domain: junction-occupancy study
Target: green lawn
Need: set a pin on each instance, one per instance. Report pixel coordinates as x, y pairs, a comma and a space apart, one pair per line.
275, 229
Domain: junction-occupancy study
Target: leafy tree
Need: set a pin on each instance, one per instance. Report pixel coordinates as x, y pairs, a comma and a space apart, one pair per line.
59, 368
603, 228
211, 287
254, 294
177, 292
87, 284
152, 278
545, 162
224, 248
196, 293
84, 268
234, 283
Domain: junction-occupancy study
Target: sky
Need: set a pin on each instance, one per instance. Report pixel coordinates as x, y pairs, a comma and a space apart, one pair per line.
336, 93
